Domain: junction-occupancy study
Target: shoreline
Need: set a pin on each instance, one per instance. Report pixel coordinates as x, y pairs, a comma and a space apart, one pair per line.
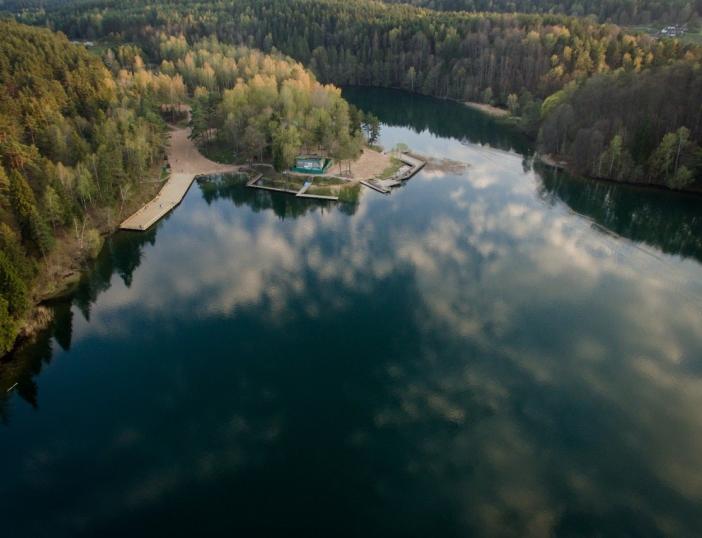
503, 116
552, 162
490, 110
68, 265
62, 272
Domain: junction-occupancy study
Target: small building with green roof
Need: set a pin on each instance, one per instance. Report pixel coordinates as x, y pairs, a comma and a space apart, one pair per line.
311, 164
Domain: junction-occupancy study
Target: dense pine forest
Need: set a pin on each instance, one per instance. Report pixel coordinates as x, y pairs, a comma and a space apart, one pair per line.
642, 128
464, 56
589, 91
623, 12
73, 145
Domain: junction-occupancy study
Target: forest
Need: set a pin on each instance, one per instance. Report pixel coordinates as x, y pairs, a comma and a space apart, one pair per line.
468, 56
546, 69
73, 143
623, 12
600, 128
256, 106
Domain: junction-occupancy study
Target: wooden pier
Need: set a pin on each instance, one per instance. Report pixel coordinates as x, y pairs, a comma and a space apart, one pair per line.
252, 182
412, 166
274, 189
319, 197
168, 197
372, 185
304, 188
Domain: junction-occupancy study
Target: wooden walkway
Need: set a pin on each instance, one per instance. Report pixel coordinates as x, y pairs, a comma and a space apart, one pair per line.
253, 183
318, 197
168, 197
415, 165
411, 166
186, 163
376, 187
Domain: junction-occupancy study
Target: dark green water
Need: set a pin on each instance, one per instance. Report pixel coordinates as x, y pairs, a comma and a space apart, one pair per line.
504, 351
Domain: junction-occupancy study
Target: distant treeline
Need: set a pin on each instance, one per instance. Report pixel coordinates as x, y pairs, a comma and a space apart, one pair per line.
459, 55
624, 12
549, 70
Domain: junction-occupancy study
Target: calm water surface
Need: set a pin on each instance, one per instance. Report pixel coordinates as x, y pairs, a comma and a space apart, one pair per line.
501, 351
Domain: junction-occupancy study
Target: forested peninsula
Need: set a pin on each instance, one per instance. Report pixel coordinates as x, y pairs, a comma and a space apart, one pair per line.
612, 104
82, 141
250, 106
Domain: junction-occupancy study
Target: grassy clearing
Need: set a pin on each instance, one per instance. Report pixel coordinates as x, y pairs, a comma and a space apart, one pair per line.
391, 169
346, 192
350, 194
100, 47
325, 180
277, 183
320, 185
274, 179
693, 38
642, 29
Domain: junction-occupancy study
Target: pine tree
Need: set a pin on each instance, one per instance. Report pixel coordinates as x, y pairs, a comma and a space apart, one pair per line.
8, 327
12, 288
33, 227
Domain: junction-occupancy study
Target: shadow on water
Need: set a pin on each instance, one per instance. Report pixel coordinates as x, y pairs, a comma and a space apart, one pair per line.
121, 255
668, 221
447, 119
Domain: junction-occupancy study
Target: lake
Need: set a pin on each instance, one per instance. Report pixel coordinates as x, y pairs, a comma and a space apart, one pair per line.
500, 350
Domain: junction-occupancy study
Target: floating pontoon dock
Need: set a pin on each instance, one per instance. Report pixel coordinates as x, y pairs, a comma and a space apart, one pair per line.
371, 185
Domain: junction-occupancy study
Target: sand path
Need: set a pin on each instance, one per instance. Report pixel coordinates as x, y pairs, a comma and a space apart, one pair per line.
186, 162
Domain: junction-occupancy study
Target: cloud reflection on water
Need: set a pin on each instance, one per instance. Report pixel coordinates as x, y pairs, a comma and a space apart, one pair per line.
619, 336
553, 372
